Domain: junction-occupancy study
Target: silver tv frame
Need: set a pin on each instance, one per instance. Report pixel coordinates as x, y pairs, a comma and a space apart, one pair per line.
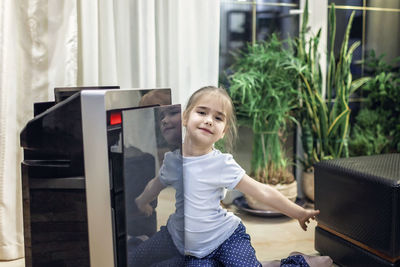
94, 107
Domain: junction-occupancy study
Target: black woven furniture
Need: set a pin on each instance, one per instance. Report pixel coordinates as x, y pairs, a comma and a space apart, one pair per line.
359, 199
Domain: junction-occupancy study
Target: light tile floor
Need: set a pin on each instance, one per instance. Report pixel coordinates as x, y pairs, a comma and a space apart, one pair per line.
272, 238
16, 263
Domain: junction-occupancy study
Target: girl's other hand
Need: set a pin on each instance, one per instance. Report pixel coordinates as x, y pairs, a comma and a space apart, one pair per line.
144, 208
305, 218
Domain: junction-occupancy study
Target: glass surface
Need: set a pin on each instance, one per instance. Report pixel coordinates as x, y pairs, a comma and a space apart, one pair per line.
292, 3
124, 161
277, 2
237, 24
342, 19
235, 30
391, 4
148, 135
378, 25
380, 4
276, 19
346, 2
382, 34
237, 1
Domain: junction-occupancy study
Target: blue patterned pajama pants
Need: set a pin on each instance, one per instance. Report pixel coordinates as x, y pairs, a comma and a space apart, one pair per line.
238, 251
159, 250
294, 261
235, 251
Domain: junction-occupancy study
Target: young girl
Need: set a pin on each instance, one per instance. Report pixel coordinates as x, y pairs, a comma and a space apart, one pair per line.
213, 236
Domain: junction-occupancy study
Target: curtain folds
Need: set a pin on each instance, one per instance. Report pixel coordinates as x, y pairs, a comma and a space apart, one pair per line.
142, 43
11, 241
131, 43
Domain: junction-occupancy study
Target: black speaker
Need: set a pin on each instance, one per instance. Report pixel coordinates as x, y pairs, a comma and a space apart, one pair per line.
359, 200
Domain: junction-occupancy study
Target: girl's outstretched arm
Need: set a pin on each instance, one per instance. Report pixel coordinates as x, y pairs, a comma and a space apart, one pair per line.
150, 192
273, 198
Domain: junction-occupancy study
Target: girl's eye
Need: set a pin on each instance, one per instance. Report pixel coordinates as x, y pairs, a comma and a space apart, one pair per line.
219, 118
173, 113
201, 112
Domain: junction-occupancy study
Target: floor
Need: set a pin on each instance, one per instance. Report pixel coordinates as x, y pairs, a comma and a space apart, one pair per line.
272, 238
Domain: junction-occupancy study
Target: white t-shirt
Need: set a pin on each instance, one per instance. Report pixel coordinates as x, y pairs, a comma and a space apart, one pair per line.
171, 175
206, 178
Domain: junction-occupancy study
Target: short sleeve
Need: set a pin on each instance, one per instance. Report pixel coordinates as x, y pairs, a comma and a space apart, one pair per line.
231, 173
163, 175
171, 169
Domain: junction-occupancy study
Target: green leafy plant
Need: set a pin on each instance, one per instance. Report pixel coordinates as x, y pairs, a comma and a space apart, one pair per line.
264, 95
383, 98
324, 121
367, 136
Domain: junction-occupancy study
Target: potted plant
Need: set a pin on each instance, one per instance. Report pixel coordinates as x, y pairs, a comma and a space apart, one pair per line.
264, 96
324, 122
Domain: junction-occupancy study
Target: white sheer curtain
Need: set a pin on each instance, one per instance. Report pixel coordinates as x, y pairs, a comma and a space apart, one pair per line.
143, 43
131, 43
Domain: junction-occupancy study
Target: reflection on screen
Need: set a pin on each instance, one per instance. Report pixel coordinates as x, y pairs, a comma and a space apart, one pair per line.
152, 158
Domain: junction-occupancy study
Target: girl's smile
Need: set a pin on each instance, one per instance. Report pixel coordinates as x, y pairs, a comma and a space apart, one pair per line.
206, 130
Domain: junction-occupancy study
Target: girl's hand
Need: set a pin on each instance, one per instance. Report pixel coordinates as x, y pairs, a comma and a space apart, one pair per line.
306, 216
144, 208
150, 192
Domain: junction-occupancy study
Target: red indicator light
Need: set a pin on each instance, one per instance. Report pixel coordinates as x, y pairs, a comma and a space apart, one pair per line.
115, 118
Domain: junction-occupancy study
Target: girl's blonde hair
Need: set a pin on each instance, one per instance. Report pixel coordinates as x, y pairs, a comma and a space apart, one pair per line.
230, 127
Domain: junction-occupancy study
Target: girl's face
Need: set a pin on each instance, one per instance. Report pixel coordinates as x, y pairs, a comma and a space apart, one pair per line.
206, 122
170, 119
